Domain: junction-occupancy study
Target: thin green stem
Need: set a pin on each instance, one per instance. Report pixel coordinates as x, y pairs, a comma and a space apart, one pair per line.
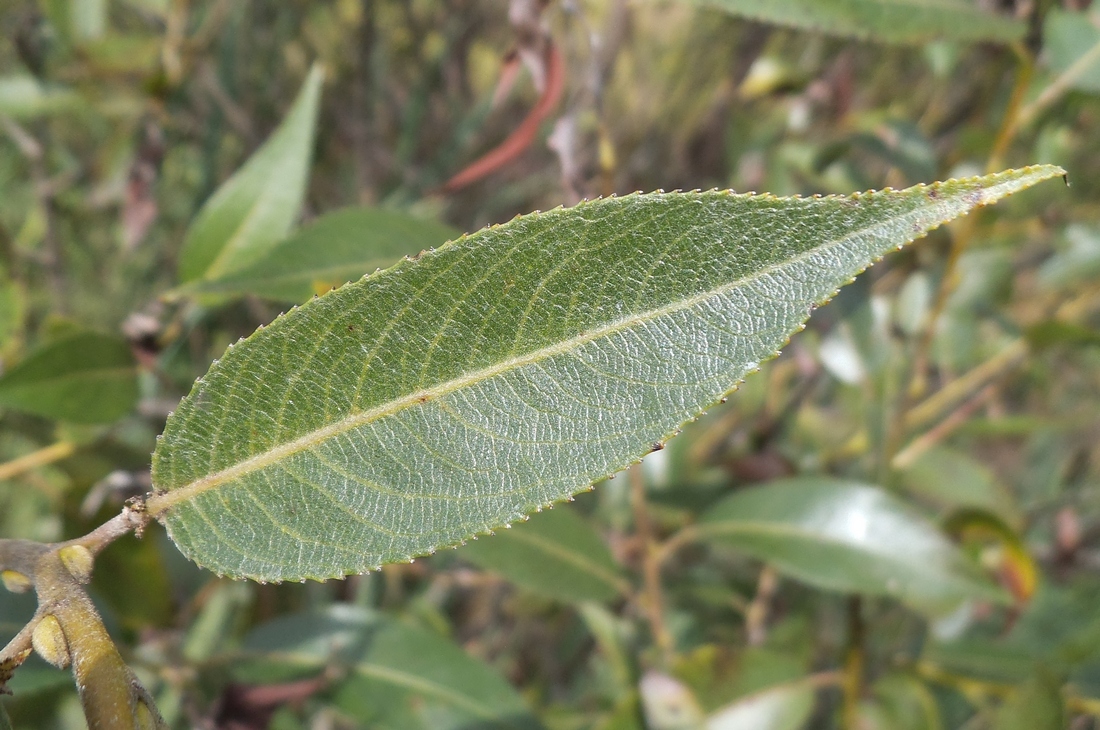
41, 457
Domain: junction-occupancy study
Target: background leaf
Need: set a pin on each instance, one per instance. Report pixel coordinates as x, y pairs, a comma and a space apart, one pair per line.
849, 537
1036, 705
503, 372
950, 479
888, 21
254, 209
82, 378
1072, 39
396, 669
555, 553
336, 248
25, 97
786, 707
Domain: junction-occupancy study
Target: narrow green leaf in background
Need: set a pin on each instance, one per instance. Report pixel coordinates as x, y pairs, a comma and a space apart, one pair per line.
1036, 705
254, 209
843, 536
951, 479
555, 553
337, 248
415, 672
507, 370
1075, 262
886, 21
786, 707
88, 19
25, 97
85, 377
668, 703
900, 701
1071, 40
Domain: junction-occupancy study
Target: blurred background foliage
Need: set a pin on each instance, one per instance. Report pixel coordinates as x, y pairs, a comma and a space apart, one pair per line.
895, 524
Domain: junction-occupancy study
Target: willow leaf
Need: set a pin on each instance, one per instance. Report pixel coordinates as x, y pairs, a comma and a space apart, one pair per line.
1071, 42
336, 248
399, 675
85, 377
254, 209
886, 21
556, 554
505, 371
848, 537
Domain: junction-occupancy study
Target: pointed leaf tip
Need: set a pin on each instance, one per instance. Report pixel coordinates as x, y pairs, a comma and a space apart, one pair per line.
255, 208
507, 370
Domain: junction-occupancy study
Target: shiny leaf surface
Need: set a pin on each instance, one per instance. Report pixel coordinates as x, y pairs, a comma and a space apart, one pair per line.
849, 537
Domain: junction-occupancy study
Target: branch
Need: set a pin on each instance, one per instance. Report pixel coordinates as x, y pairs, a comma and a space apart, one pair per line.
66, 628
133, 518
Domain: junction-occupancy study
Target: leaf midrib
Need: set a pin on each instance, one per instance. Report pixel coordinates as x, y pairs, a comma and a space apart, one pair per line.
75, 375
399, 678
574, 559
766, 528
158, 504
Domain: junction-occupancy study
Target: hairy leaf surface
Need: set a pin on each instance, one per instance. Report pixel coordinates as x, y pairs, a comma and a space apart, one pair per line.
507, 370
887, 21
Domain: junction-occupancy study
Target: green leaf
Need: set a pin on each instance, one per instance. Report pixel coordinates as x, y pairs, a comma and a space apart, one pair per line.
1071, 43
505, 371
25, 97
82, 378
555, 553
952, 479
13, 310
849, 537
1076, 263
1036, 705
336, 248
411, 668
668, 703
88, 19
254, 209
886, 21
785, 707
900, 702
